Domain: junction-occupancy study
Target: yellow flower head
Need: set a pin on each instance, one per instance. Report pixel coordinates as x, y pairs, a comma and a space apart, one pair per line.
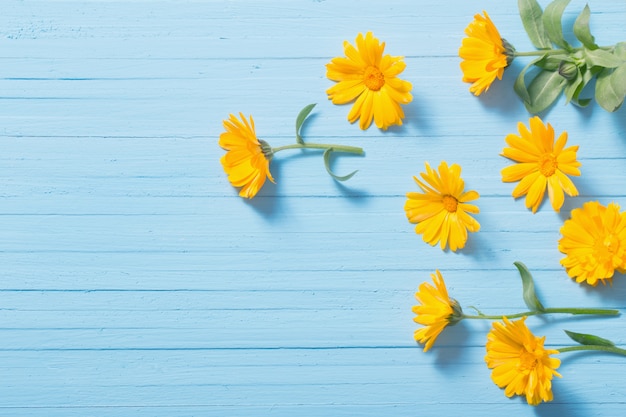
370, 78
485, 54
541, 164
441, 211
247, 162
436, 311
594, 240
521, 365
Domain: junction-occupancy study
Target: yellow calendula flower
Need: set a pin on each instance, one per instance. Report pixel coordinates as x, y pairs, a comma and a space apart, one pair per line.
370, 78
440, 212
521, 365
541, 164
594, 240
436, 311
485, 54
247, 162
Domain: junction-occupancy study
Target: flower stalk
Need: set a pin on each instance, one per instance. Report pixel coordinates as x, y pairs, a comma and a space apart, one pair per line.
336, 148
597, 348
572, 311
548, 52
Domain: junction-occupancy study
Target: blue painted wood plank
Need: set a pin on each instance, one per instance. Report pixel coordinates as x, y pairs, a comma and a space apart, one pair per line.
135, 281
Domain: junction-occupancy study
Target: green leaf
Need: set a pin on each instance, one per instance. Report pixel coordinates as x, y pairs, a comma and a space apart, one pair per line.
552, 22
520, 82
543, 90
602, 58
620, 50
327, 153
304, 113
528, 287
589, 339
530, 12
611, 88
570, 89
582, 31
552, 62
582, 102
575, 87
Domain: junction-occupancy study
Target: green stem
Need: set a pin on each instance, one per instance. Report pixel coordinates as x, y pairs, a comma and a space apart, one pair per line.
555, 51
336, 148
576, 311
609, 349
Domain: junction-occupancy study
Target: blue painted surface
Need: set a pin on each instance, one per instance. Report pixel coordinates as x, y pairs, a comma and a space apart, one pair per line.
136, 282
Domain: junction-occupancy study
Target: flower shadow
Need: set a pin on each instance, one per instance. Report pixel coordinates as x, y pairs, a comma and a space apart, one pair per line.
416, 118
478, 248
266, 202
449, 347
556, 408
271, 202
501, 97
615, 291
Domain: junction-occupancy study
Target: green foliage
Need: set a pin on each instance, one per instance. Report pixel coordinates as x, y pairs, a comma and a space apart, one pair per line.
531, 13
528, 288
327, 154
304, 113
543, 90
589, 339
552, 22
568, 70
582, 31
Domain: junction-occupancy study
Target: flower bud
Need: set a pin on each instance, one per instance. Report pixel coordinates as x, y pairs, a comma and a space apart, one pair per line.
568, 70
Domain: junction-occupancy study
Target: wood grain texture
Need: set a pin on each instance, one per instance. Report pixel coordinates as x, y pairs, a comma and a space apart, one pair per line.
136, 282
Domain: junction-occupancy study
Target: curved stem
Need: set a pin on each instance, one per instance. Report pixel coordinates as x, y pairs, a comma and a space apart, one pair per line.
336, 148
609, 349
575, 311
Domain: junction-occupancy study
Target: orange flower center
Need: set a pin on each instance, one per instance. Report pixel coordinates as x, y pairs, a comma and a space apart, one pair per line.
450, 203
528, 360
607, 247
548, 164
373, 78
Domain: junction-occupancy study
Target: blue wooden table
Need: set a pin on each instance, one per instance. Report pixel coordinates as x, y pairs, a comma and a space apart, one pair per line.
136, 282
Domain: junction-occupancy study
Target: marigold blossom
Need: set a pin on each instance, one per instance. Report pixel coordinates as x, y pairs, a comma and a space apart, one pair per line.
485, 54
541, 163
521, 365
370, 79
440, 212
247, 162
594, 240
436, 310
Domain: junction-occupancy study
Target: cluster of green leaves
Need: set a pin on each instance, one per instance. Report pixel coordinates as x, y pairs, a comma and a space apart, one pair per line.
567, 69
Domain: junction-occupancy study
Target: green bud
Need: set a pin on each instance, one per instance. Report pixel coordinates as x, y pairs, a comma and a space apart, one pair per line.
568, 70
